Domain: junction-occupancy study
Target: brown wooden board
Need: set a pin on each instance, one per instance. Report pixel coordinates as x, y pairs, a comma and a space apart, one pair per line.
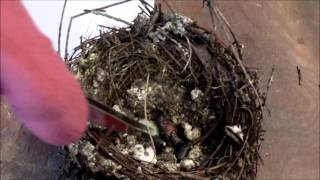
280, 33
284, 34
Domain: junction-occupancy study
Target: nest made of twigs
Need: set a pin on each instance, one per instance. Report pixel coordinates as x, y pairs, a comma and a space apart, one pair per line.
192, 85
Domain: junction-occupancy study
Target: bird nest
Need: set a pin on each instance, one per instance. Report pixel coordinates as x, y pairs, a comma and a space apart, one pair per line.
184, 80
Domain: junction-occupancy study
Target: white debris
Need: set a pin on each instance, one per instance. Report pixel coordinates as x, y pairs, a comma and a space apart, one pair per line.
176, 25
131, 140
196, 93
83, 62
187, 164
150, 153
138, 151
93, 56
235, 132
158, 36
134, 91
169, 150
88, 149
126, 147
169, 166
152, 126
95, 84
212, 117
124, 151
185, 20
191, 133
96, 91
73, 148
144, 154
167, 156
139, 92
101, 75
186, 126
195, 153
176, 119
92, 165
74, 67
118, 109
109, 164
139, 170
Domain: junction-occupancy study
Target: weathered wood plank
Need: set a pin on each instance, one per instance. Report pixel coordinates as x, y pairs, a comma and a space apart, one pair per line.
281, 33
285, 34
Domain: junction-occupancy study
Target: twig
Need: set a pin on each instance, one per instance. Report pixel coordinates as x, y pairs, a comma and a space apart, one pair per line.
241, 171
169, 7
237, 56
220, 16
191, 176
81, 14
190, 54
234, 110
299, 75
209, 160
146, 6
212, 12
109, 16
146, 117
245, 143
60, 26
210, 131
153, 20
170, 55
143, 11
269, 85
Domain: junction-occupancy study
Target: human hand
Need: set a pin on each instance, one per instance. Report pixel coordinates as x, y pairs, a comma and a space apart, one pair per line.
34, 80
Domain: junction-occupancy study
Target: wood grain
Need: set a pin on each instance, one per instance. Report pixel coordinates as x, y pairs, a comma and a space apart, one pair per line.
284, 34
23, 156
281, 33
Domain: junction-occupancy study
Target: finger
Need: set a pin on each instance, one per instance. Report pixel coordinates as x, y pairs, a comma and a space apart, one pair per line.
43, 94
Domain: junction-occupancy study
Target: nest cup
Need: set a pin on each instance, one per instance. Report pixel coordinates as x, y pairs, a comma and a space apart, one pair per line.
186, 81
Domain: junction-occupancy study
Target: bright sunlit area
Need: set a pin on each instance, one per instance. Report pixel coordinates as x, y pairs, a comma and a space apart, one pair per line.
47, 15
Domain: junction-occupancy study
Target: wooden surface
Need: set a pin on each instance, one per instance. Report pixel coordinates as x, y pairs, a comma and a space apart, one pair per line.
280, 33
23, 156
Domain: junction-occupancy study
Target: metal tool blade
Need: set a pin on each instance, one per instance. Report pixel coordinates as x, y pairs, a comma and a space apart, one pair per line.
100, 113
